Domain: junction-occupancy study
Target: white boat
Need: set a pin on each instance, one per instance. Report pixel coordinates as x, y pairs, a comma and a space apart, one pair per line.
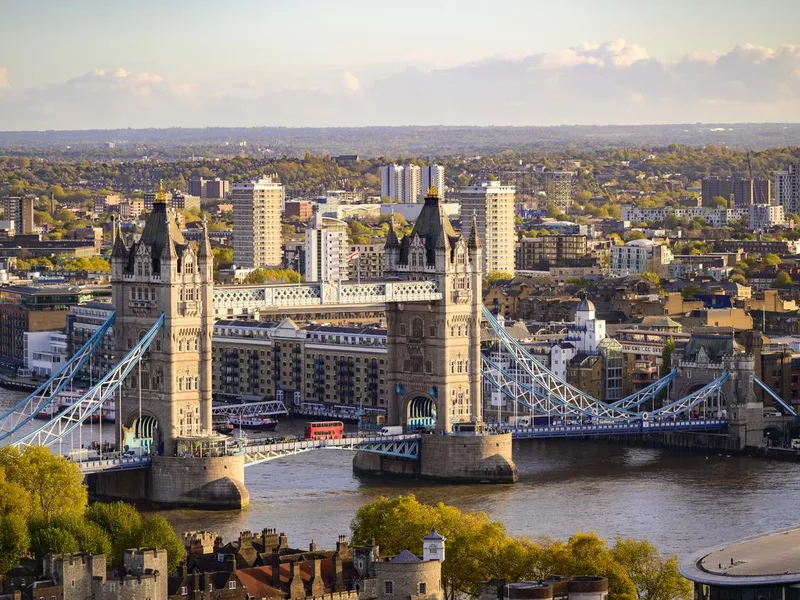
261, 423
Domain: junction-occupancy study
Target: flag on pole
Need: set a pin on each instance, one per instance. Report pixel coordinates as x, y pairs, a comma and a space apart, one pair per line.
353, 256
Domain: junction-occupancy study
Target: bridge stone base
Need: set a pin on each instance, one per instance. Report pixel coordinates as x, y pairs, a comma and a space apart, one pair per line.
476, 459
215, 483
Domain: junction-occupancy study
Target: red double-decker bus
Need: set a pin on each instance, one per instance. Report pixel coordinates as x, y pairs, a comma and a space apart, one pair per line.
324, 430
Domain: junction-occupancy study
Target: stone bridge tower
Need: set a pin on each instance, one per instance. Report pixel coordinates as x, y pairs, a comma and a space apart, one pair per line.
164, 405
162, 273
434, 362
434, 358
706, 357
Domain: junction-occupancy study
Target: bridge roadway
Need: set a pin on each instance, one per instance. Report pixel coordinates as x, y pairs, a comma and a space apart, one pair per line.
250, 300
407, 445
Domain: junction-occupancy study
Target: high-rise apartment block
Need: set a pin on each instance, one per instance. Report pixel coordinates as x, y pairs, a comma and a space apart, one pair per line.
181, 201
257, 222
493, 206
392, 182
787, 188
326, 249
558, 186
401, 183
433, 176
215, 189
412, 184
736, 191
19, 210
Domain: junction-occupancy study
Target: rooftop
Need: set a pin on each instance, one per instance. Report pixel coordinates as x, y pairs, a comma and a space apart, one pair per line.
765, 559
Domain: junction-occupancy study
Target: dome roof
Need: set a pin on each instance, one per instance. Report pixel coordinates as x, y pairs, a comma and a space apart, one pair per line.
585, 305
641, 242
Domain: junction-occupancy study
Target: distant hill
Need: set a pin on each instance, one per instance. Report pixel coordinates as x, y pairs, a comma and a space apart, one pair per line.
390, 141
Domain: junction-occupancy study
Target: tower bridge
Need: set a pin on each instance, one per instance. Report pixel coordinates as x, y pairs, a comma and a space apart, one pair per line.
164, 309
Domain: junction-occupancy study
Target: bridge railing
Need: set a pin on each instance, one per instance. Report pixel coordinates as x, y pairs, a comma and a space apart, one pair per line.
115, 464
343, 442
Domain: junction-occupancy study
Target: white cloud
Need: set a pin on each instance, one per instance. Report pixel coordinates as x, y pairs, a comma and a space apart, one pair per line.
611, 82
351, 82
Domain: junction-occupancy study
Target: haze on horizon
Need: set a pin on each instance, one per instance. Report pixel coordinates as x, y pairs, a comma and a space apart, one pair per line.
91, 64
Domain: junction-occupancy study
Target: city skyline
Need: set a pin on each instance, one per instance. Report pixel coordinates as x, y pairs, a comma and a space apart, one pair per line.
97, 66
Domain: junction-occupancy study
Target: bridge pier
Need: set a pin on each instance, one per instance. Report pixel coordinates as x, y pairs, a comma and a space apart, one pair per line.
213, 483
455, 458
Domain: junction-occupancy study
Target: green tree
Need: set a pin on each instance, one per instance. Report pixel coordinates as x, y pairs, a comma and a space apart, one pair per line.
634, 235
690, 290
121, 522
738, 278
125, 528
54, 485
656, 577
719, 202
14, 540
480, 549
495, 276
156, 532
771, 260
651, 277
666, 356
51, 539
782, 280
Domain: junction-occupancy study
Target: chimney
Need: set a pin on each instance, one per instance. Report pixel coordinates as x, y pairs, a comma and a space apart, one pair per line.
312, 547
276, 570
342, 547
296, 588
218, 543
269, 539
316, 584
283, 541
338, 574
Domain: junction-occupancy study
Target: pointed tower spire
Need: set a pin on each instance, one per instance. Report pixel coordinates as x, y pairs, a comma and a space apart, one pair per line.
120, 250
205, 245
474, 241
391, 236
161, 195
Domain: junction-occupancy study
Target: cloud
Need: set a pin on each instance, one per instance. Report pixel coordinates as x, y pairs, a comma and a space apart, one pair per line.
4, 78
610, 82
351, 82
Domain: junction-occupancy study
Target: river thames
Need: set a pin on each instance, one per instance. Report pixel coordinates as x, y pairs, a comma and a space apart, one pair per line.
680, 502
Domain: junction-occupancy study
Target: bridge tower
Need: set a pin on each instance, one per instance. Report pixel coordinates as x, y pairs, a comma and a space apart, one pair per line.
434, 355
164, 405
433, 348
706, 357
162, 273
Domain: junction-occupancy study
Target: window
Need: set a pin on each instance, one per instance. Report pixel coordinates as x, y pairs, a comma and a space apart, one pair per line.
423, 587
231, 585
388, 587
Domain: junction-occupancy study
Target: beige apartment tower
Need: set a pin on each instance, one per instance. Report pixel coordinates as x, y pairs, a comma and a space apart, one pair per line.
257, 223
493, 207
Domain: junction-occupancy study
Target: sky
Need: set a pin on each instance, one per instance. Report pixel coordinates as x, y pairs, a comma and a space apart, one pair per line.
89, 64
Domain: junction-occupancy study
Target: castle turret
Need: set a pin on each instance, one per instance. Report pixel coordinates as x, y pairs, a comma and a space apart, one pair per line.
433, 546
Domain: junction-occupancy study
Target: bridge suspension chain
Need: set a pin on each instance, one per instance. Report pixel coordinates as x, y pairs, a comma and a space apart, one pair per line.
73, 416
27, 409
